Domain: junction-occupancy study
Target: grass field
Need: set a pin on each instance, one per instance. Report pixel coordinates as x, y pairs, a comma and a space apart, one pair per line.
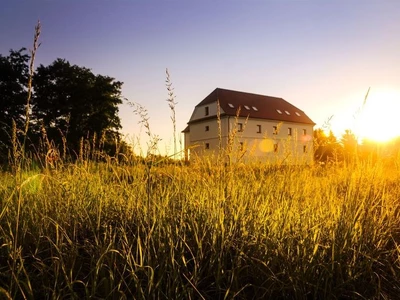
203, 231
152, 230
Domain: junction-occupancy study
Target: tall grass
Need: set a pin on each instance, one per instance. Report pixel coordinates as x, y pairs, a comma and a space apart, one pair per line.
259, 232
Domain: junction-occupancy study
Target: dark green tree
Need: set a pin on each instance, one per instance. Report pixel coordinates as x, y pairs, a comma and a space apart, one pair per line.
14, 72
71, 102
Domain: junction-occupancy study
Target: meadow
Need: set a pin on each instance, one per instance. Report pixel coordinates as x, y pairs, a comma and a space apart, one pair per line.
96, 227
154, 230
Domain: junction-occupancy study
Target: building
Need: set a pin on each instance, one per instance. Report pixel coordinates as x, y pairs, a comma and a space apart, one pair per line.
247, 127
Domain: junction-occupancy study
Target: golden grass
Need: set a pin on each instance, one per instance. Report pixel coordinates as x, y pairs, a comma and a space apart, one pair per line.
201, 231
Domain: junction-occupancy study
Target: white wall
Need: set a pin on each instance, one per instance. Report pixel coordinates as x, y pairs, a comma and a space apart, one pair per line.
260, 146
199, 112
255, 146
199, 137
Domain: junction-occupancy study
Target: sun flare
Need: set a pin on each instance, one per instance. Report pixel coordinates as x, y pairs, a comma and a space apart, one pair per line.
379, 119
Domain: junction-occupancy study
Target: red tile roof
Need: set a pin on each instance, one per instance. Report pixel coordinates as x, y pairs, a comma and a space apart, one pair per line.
256, 106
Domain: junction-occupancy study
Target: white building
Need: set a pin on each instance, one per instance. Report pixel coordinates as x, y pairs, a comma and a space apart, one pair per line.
249, 127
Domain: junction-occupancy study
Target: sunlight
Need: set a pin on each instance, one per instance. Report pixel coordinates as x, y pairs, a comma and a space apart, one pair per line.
379, 120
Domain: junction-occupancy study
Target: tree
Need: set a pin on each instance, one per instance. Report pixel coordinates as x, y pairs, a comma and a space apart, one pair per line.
350, 145
368, 150
326, 147
14, 72
71, 102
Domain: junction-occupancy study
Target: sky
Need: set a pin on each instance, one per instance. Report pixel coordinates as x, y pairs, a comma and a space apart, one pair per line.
321, 56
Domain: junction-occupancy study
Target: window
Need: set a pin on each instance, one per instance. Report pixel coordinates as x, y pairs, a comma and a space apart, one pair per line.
298, 114
289, 131
279, 112
304, 132
275, 148
207, 128
255, 108
241, 146
207, 146
258, 128
246, 107
305, 149
240, 127
206, 111
231, 105
288, 113
274, 130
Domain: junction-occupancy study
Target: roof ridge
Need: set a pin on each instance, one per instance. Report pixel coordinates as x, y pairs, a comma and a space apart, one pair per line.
254, 94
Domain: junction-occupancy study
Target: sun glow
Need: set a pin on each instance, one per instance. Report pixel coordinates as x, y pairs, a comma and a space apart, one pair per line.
379, 118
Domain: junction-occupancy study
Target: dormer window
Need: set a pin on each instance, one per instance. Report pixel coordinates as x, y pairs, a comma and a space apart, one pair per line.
297, 114
246, 107
279, 112
255, 108
231, 105
286, 112
206, 111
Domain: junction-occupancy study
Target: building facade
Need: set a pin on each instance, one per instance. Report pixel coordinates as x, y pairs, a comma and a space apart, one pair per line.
248, 127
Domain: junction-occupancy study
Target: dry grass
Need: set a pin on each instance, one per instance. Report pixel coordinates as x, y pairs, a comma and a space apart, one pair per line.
190, 232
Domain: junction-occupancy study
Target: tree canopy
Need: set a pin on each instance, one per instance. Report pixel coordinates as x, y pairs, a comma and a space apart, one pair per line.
72, 102
13, 95
68, 103
350, 144
326, 147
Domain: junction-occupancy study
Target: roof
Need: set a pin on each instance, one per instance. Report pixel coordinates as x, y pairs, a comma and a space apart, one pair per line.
256, 106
